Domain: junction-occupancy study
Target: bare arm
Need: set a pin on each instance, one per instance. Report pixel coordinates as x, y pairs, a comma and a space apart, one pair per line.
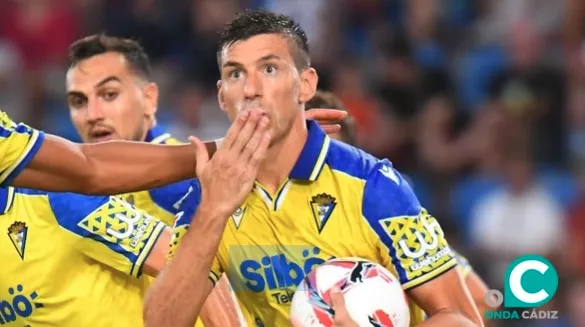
446, 301
177, 296
106, 168
478, 290
219, 310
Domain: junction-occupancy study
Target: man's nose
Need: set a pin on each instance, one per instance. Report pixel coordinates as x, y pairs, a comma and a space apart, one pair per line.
253, 86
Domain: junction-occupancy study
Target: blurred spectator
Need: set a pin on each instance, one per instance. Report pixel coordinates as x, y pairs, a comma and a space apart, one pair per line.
518, 219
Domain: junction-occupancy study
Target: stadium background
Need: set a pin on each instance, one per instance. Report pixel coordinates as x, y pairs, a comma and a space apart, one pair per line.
481, 103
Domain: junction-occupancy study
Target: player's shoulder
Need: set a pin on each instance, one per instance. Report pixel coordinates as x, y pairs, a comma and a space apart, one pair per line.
72, 206
170, 197
347, 159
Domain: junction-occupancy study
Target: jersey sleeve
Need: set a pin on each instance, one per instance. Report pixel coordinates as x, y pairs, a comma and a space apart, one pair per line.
110, 230
18, 145
413, 238
187, 208
171, 196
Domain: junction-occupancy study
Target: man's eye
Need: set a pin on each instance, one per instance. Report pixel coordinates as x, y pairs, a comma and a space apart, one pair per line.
270, 69
76, 102
235, 74
109, 96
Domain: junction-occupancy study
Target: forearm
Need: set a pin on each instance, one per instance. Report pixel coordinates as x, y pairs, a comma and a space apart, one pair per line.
178, 294
220, 308
451, 319
128, 166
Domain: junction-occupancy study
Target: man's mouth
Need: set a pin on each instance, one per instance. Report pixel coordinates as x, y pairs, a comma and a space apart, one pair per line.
101, 135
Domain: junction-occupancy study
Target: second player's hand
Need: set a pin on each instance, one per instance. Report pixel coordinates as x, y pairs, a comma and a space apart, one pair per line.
227, 178
341, 317
328, 119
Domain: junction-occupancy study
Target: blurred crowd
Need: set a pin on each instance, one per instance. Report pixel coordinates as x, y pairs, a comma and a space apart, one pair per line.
481, 103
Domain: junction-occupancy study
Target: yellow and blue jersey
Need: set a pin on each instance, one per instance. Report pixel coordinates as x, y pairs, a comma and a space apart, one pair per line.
337, 202
72, 260
163, 202
18, 145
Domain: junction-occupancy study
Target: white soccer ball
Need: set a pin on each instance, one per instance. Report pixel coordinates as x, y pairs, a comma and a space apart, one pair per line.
373, 296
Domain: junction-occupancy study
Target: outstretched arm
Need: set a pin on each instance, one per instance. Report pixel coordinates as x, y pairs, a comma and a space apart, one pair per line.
106, 168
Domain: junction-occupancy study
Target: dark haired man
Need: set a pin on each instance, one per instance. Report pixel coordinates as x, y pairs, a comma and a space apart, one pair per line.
297, 203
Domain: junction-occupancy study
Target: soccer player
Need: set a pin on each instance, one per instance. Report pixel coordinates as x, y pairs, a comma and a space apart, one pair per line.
279, 203
474, 283
111, 96
78, 260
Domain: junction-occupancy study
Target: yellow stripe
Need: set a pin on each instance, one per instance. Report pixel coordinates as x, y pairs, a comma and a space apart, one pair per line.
31, 143
161, 138
147, 248
426, 277
321, 160
214, 278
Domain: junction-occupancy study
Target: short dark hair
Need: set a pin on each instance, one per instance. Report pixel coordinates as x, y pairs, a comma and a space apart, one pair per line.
254, 22
328, 100
98, 44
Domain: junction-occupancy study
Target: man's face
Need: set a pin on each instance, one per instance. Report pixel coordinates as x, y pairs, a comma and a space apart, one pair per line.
107, 100
260, 73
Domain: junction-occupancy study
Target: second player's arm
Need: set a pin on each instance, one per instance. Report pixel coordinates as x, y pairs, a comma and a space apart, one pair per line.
106, 168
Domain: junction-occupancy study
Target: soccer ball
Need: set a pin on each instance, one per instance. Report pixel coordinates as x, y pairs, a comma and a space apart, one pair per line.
373, 296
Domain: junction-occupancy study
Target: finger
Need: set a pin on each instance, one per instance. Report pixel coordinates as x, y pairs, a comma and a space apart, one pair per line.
338, 303
330, 115
256, 139
260, 152
201, 154
331, 129
246, 132
235, 128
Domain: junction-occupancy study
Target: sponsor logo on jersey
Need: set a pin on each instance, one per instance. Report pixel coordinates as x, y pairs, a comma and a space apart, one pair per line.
20, 305
279, 273
18, 232
322, 206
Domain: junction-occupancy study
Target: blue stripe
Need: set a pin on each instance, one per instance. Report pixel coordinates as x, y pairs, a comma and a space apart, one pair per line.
70, 209
25, 161
153, 133
309, 156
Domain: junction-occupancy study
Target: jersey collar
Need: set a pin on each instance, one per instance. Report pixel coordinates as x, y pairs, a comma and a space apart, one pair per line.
6, 198
156, 135
312, 158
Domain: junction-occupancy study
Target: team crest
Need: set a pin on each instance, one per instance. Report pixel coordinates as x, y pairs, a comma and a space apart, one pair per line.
322, 206
17, 233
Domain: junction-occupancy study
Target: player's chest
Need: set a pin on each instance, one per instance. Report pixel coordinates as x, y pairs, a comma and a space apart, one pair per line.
269, 246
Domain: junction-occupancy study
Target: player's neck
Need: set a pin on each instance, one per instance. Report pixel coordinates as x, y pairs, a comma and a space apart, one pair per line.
282, 157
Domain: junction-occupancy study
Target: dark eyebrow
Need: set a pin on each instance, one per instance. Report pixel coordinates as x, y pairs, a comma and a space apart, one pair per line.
106, 80
240, 66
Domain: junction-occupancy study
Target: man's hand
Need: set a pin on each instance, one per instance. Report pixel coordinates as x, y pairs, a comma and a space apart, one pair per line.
228, 177
341, 317
328, 119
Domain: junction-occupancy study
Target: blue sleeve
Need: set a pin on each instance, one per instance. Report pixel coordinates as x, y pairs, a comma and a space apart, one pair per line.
413, 239
187, 207
169, 197
110, 230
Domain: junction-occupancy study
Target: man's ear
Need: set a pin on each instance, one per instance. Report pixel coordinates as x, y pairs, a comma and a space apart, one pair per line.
309, 80
220, 96
151, 98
